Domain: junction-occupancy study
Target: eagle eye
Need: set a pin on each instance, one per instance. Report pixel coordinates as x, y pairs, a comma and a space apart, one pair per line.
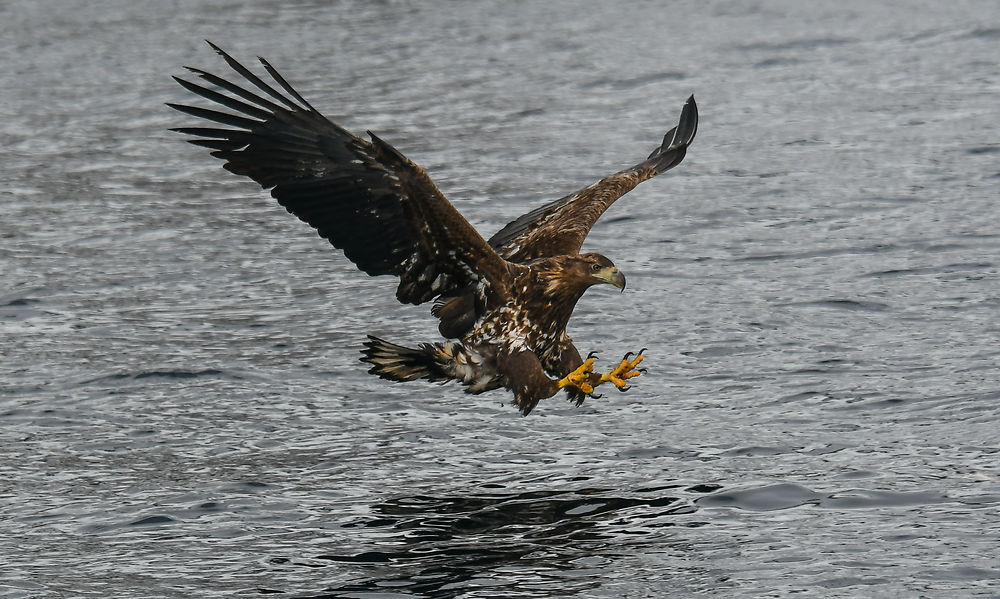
595, 267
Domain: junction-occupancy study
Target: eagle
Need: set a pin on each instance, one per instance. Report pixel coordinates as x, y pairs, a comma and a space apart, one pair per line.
503, 304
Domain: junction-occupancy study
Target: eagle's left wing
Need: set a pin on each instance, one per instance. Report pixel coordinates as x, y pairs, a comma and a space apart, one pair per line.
363, 196
560, 227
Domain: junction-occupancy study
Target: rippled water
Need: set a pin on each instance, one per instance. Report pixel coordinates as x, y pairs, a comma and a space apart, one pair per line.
183, 413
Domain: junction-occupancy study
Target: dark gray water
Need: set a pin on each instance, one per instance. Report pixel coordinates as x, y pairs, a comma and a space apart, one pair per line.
183, 413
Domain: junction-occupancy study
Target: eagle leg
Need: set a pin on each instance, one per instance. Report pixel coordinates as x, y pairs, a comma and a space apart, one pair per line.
624, 371
580, 378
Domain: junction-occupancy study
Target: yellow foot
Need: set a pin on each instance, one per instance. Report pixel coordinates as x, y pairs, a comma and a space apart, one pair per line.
624, 371
580, 378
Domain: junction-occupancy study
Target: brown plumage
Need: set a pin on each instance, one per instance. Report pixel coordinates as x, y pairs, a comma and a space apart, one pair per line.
505, 302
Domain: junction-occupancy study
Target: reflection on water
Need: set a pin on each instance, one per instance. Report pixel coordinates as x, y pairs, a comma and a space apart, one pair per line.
547, 544
531, 544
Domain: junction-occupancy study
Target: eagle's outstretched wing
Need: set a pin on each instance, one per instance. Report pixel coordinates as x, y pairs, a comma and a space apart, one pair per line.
365, 197
561, 226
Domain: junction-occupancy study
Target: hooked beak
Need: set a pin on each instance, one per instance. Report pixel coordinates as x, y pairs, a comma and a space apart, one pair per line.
612, 276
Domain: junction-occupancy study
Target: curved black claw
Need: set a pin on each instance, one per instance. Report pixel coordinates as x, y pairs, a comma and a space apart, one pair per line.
596, 395
627, 356
641, 350
642, 370
592, 355
623, 389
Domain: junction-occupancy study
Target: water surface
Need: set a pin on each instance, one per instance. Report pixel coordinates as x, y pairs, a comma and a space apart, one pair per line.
182, 412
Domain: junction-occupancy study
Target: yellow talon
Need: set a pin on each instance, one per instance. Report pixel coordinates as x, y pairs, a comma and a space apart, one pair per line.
624, 371
580, 377
584, 378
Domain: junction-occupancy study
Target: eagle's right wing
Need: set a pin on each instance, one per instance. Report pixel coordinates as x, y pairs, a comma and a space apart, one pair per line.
561, 226
364, 196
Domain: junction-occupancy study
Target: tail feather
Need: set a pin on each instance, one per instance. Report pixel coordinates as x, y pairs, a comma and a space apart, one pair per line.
397, 363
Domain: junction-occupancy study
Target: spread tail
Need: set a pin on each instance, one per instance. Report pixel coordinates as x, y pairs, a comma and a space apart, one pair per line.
397, 363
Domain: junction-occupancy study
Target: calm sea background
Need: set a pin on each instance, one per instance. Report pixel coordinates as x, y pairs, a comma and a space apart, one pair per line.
183, 413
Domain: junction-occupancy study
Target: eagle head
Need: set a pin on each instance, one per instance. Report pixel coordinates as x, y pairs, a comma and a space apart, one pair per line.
568, 277
598, 269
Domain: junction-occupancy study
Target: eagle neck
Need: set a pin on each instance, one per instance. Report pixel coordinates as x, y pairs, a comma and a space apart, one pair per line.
557, 297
